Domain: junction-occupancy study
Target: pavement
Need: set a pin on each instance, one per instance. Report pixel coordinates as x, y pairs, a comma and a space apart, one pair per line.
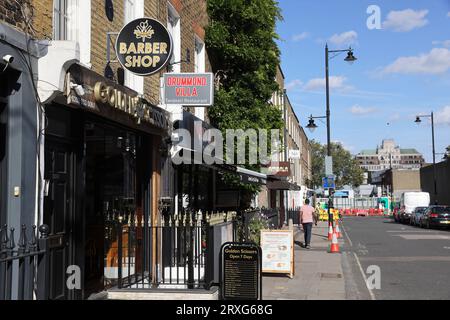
318, 274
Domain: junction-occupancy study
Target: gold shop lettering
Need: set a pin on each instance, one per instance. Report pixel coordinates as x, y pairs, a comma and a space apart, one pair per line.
135, 106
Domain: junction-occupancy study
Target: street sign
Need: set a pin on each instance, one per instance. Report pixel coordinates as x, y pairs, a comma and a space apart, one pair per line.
189, 89
329, 182
144, 46
294, 154
240, 271
328, 165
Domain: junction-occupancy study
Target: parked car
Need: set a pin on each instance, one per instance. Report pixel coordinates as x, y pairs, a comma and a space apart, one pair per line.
409, 201
436, 216
417, 216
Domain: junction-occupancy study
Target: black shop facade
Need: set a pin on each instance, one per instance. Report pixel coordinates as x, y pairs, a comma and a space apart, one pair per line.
104, 146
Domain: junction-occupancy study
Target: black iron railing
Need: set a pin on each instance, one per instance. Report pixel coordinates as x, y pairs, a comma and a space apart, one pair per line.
178, 252
294, 214
24, 268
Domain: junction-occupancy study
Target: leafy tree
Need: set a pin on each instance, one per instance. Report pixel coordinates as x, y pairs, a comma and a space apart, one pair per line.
240, 40
345, 166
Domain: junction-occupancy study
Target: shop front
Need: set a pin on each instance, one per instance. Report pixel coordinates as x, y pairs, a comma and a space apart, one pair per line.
103, 155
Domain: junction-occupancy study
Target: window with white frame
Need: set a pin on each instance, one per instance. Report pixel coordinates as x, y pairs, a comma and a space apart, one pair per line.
199, 55
199, 60
174, 28
60, 19
72, 22
134, 9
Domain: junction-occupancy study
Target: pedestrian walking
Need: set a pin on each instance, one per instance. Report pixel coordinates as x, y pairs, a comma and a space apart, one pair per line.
307, 218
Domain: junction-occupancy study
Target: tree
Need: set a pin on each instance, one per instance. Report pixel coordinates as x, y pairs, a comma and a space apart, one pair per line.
240, 40
345, 166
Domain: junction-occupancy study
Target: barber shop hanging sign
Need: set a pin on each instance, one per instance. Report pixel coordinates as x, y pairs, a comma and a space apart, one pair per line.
144, 46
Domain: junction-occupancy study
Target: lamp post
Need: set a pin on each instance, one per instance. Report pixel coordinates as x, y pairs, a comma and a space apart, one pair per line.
418, 121
312, 126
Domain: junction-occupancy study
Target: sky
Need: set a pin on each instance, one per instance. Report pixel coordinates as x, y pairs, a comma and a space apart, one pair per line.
403, 70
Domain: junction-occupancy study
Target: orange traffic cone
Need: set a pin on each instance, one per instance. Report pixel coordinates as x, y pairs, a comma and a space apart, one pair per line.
334, 248
330, 232
338, 230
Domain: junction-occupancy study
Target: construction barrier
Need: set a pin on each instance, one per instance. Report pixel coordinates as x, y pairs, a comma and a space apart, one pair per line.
372, 212
323, 214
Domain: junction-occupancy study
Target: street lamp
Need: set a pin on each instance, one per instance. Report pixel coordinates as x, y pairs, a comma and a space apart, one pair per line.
312, 126
351, 59
418, 121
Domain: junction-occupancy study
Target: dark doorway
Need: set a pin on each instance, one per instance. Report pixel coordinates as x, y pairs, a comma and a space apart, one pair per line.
113, 208
59, 209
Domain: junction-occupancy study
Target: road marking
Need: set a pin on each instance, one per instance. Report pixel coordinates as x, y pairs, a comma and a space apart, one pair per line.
346, 235
407, 259
372, 296
411, 231
422, 237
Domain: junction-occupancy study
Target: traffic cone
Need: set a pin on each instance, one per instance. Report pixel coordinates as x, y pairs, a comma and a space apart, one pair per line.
334, 248
330, 232
338, 230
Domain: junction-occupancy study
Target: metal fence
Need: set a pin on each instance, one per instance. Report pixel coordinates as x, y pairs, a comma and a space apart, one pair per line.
294, 214
24, 268
179, 252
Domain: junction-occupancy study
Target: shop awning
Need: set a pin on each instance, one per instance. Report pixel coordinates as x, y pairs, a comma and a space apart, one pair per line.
275, 183
190, 156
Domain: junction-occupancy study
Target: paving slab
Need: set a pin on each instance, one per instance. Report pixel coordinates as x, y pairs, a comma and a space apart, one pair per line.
318, 274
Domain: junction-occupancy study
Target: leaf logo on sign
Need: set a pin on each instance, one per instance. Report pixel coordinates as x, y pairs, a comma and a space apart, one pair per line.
144, 31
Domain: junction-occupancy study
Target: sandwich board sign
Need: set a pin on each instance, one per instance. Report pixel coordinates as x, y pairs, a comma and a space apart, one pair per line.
278, 251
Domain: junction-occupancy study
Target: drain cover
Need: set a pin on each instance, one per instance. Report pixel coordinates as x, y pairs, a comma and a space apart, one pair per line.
331, 275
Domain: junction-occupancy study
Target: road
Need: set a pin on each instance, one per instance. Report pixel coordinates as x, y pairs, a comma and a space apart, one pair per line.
414, 262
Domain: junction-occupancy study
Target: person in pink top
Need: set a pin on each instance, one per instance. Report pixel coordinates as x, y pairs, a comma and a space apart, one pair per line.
307, 218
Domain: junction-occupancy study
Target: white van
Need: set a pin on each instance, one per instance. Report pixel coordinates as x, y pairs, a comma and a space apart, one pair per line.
409, 201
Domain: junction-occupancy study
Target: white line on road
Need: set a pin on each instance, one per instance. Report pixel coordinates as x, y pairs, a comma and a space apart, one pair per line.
372, 296
346, 235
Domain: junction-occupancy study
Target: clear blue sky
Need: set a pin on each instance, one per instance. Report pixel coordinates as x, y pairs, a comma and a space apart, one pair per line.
403, 69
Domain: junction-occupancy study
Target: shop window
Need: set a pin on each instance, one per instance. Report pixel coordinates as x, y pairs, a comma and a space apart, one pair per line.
113, 205
134, 9
72, 22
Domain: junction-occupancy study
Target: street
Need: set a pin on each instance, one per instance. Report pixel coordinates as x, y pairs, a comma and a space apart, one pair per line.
414, 262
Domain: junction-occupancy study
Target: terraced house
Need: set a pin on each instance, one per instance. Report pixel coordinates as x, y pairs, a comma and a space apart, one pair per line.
97, 177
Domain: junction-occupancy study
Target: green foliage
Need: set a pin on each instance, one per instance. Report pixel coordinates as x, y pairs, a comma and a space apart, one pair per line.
240, 40
255, 226
345, 167
241, 46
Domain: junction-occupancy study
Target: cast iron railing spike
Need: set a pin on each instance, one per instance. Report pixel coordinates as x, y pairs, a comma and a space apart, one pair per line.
23, 240
4, 240
12, 243
33, 241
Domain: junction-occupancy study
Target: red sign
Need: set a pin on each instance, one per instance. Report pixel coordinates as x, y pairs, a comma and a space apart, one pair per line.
279, 169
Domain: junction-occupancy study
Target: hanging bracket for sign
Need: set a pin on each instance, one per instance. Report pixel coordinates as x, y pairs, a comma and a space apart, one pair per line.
144, 46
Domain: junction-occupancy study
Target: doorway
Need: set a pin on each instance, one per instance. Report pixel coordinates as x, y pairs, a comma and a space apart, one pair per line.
114, 212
